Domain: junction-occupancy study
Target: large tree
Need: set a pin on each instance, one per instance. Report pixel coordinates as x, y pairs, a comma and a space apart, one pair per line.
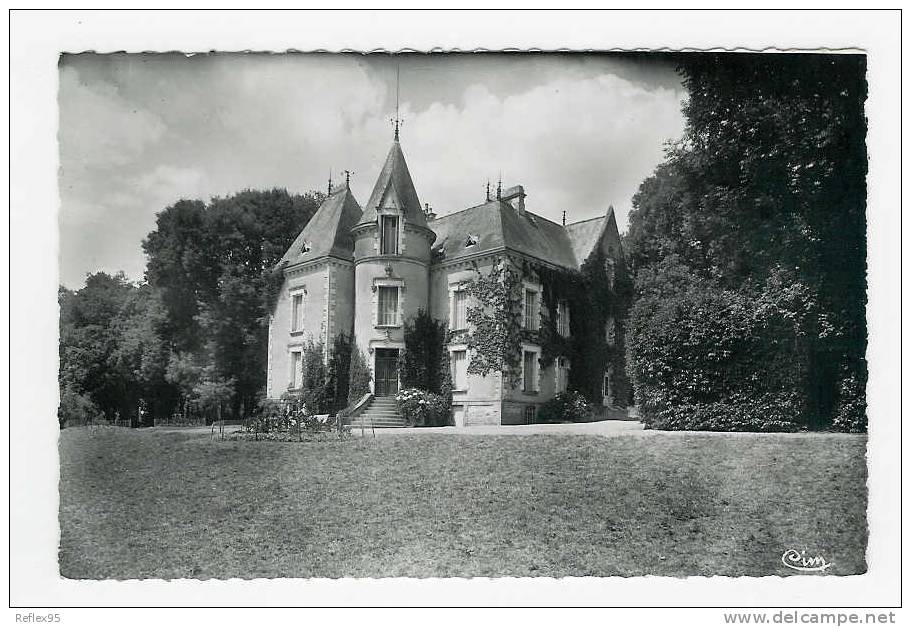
764, 195
90, 336
213, 265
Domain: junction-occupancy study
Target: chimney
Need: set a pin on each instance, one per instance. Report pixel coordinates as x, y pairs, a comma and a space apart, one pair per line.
515, 196
428, 212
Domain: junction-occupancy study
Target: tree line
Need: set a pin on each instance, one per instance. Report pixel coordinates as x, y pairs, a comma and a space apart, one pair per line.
190, 340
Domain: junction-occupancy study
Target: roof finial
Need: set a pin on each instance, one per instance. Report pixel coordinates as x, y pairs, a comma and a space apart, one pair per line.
397, 119
488, 190
564, 217
348, 178
499, 185
330, 182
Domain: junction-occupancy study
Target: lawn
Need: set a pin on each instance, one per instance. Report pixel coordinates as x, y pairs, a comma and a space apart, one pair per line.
140, 504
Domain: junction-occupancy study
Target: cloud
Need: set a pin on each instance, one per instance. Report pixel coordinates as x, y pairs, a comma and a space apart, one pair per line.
99, 127
139, 132
576, 145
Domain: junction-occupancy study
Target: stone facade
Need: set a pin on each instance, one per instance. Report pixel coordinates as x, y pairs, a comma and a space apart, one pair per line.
365, 271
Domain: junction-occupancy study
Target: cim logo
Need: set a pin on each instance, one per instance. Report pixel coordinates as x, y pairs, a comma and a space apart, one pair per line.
798, 560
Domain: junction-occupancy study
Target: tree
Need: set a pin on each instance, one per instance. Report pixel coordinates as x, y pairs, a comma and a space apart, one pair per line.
338, 372
420, 364
215, 267
359, 375
143, 355
766, 192
90, 336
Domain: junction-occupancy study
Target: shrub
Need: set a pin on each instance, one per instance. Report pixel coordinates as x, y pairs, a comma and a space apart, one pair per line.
358, 375
422, 409
763, 413
314, 392
76, 409
271, 416
566, 407
851, 413
290, 415
710, 358
338, 372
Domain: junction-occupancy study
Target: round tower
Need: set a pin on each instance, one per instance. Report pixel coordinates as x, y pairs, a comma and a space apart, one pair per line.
391, 269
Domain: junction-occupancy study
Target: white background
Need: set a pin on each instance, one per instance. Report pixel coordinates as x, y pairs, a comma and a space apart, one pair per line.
36, 41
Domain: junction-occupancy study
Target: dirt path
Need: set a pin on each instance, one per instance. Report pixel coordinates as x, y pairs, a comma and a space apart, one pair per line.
605, 427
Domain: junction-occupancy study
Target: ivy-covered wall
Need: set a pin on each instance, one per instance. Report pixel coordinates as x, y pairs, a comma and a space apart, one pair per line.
593, 299
497, 334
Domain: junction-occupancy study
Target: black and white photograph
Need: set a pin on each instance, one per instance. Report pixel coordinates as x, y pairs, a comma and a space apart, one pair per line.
444, 314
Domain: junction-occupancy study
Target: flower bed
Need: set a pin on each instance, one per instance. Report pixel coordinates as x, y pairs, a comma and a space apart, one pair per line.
422, 409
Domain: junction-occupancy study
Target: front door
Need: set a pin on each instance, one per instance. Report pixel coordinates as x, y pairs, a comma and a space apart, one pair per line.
387, 371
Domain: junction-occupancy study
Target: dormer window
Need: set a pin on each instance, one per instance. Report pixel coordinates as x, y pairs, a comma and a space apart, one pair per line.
471, 240
389, 235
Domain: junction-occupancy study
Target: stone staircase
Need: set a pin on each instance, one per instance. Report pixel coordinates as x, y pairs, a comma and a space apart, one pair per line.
381, 413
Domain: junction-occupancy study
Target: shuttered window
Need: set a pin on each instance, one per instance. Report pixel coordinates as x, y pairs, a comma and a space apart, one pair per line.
562, 374
531, 310
530, 371
563, 318
296, 378
459, 310
459, 370
297, 312
388, 306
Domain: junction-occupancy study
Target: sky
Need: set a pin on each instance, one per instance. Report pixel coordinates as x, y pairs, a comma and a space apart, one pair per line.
137, 132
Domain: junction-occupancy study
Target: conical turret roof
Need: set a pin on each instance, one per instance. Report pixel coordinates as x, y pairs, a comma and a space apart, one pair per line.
394, 185
328, 231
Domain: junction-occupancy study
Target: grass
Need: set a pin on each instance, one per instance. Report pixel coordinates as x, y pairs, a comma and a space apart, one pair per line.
141, 504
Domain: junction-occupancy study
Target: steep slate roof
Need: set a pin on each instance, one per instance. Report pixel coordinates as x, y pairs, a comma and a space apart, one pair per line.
395, 174
482, 221
328, 231
585, 235
497, 225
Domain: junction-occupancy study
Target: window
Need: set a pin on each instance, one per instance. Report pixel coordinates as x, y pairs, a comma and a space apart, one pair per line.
530, 371
458, 415
389, 235
562, 374
563, 318
529, 414
297, 313
610, 331
296, 378
611, 272
531, 310
388, 306
459, 370
459, 310
606, 389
